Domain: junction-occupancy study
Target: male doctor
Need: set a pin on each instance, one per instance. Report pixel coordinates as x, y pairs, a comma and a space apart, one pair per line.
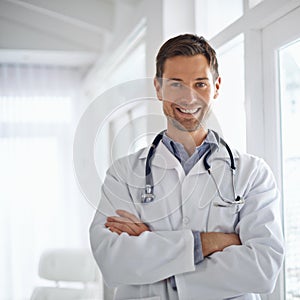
207, 234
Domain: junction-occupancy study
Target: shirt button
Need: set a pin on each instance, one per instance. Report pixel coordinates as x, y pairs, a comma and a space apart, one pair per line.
186, 220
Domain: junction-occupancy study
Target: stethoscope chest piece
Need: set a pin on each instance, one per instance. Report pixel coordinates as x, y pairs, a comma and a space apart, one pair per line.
147, 195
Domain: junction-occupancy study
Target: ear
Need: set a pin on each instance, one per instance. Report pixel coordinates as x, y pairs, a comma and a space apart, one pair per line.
157, 86
217, 87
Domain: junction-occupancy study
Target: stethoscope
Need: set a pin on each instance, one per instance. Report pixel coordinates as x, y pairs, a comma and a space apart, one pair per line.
148, 195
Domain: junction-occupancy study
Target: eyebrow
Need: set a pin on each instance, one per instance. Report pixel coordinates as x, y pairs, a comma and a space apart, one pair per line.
178, 79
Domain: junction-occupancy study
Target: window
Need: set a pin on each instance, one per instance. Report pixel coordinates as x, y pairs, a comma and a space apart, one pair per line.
19, 109
290, 107
212, 16
229, 107
38, 207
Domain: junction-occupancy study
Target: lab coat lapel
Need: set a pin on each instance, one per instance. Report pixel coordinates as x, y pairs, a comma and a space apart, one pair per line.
220, 166
162, 157
217, 160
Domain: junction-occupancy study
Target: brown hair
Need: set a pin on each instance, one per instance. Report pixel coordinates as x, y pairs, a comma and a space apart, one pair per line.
186, 45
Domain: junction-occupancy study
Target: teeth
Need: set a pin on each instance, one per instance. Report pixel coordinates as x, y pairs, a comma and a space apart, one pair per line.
189, 111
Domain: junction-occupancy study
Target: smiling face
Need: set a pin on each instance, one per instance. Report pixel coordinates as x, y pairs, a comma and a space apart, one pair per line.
186, 89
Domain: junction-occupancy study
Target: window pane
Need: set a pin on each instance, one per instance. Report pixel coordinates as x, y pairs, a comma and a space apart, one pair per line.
35, 109
290, 106
31, 198
229, 106
212, 16
133, 67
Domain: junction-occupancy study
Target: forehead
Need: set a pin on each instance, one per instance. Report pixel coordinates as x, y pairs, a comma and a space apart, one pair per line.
180, 66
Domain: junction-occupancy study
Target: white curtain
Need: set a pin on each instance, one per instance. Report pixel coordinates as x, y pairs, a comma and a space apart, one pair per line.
40, 205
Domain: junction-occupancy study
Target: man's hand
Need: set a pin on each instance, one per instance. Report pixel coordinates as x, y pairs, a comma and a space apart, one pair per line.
217, 241
126, 222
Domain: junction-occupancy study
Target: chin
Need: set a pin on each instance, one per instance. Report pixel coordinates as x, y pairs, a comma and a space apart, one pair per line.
186, 128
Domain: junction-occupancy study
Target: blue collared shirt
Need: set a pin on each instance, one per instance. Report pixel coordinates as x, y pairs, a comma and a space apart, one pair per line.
188, 162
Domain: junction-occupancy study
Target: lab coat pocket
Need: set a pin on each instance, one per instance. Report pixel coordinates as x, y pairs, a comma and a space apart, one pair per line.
223, 217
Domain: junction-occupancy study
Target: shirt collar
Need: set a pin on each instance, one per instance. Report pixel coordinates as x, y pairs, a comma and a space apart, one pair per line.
175, 147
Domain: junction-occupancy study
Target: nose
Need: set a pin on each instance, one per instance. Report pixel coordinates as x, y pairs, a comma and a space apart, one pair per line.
189, 96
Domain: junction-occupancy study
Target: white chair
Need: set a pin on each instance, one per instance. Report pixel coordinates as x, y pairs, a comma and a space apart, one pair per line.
65, 267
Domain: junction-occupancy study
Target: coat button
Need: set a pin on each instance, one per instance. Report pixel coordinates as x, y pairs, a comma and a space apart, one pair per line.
186, 220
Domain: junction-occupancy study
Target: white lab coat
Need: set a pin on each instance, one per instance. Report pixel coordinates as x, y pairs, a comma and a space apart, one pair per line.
139, 266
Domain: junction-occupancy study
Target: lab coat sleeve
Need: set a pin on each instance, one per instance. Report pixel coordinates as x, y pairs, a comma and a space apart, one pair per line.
252, 267
124, 259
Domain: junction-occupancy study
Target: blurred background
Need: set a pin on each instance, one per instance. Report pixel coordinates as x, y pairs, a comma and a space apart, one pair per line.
57, 57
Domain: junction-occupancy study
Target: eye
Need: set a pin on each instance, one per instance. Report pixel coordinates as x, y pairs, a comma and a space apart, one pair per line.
201, 84
176, 84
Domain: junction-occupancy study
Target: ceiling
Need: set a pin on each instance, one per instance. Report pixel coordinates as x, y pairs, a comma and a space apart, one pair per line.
66, 32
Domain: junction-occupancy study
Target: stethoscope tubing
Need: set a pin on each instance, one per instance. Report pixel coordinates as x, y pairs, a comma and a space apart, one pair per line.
148, 194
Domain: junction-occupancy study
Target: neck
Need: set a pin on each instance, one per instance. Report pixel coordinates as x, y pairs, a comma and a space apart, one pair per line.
189, 140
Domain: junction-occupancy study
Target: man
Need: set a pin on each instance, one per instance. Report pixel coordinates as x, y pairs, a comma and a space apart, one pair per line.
206, 234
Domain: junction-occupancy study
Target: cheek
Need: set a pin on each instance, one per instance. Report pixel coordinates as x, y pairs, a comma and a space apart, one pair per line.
168, 97
172, 95
167, 108
208, 95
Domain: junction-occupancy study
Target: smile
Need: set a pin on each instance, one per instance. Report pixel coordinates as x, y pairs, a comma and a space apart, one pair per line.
189, 111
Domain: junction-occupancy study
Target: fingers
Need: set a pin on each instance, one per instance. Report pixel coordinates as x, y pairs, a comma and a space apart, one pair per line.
126, 222
119, 220
121, 227
128, 215
123, 224
113, 229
